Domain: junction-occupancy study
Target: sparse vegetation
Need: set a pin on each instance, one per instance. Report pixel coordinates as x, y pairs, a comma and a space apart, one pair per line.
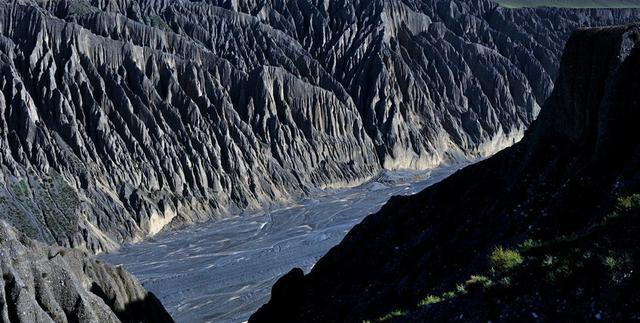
624, 205
628, 203
158, 22
504, 282
529, 244
556, 265
51, 202
478, 280
612, 262
391, 315
461, 289
81, 8
430, 299
503, 260
449, 294
21, 189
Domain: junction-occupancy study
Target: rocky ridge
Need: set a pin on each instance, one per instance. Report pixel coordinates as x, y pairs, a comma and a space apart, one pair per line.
563, 192
122, 117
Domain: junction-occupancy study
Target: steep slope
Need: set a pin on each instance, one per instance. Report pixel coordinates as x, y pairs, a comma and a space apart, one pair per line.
436, 80
53, 284
577, 278
561, 180
122, 117
135, 126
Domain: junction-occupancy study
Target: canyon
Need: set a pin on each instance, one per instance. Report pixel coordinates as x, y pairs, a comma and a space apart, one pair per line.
526, 231
125, 122
121, 118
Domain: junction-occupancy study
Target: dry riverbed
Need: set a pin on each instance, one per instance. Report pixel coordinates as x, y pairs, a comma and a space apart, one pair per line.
223, 271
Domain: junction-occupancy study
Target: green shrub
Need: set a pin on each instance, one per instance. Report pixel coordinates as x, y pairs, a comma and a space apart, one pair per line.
461, 289
505, 259
476, 280
630, 202
391, 315
530, 244
613, 262
21, 189
505, 282
449, 294
430, 299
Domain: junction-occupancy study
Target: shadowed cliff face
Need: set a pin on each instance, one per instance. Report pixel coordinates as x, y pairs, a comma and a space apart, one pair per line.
53, 284
122, 117
581, 153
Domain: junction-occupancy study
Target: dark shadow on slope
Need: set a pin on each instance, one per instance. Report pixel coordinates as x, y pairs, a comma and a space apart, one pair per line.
580, 155
148, 310
590, 276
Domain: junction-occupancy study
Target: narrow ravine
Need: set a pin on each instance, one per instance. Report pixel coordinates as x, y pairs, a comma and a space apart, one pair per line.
222, 271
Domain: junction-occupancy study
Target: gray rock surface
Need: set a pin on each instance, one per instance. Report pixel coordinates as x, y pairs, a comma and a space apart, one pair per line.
53, 284
136, 131
122, 117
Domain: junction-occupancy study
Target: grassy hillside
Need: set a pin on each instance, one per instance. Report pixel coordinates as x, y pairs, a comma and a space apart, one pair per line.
571, 3
588, 275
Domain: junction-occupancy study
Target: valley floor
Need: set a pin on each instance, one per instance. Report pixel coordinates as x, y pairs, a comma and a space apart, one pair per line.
224, 270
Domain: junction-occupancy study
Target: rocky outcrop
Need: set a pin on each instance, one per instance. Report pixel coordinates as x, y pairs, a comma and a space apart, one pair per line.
52, 284
120, 118
559, 184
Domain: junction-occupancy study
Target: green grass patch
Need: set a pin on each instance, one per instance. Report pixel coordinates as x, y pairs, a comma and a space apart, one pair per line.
551, 262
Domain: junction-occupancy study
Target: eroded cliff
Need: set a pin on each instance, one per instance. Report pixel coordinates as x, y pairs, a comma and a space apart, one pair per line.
120, 118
